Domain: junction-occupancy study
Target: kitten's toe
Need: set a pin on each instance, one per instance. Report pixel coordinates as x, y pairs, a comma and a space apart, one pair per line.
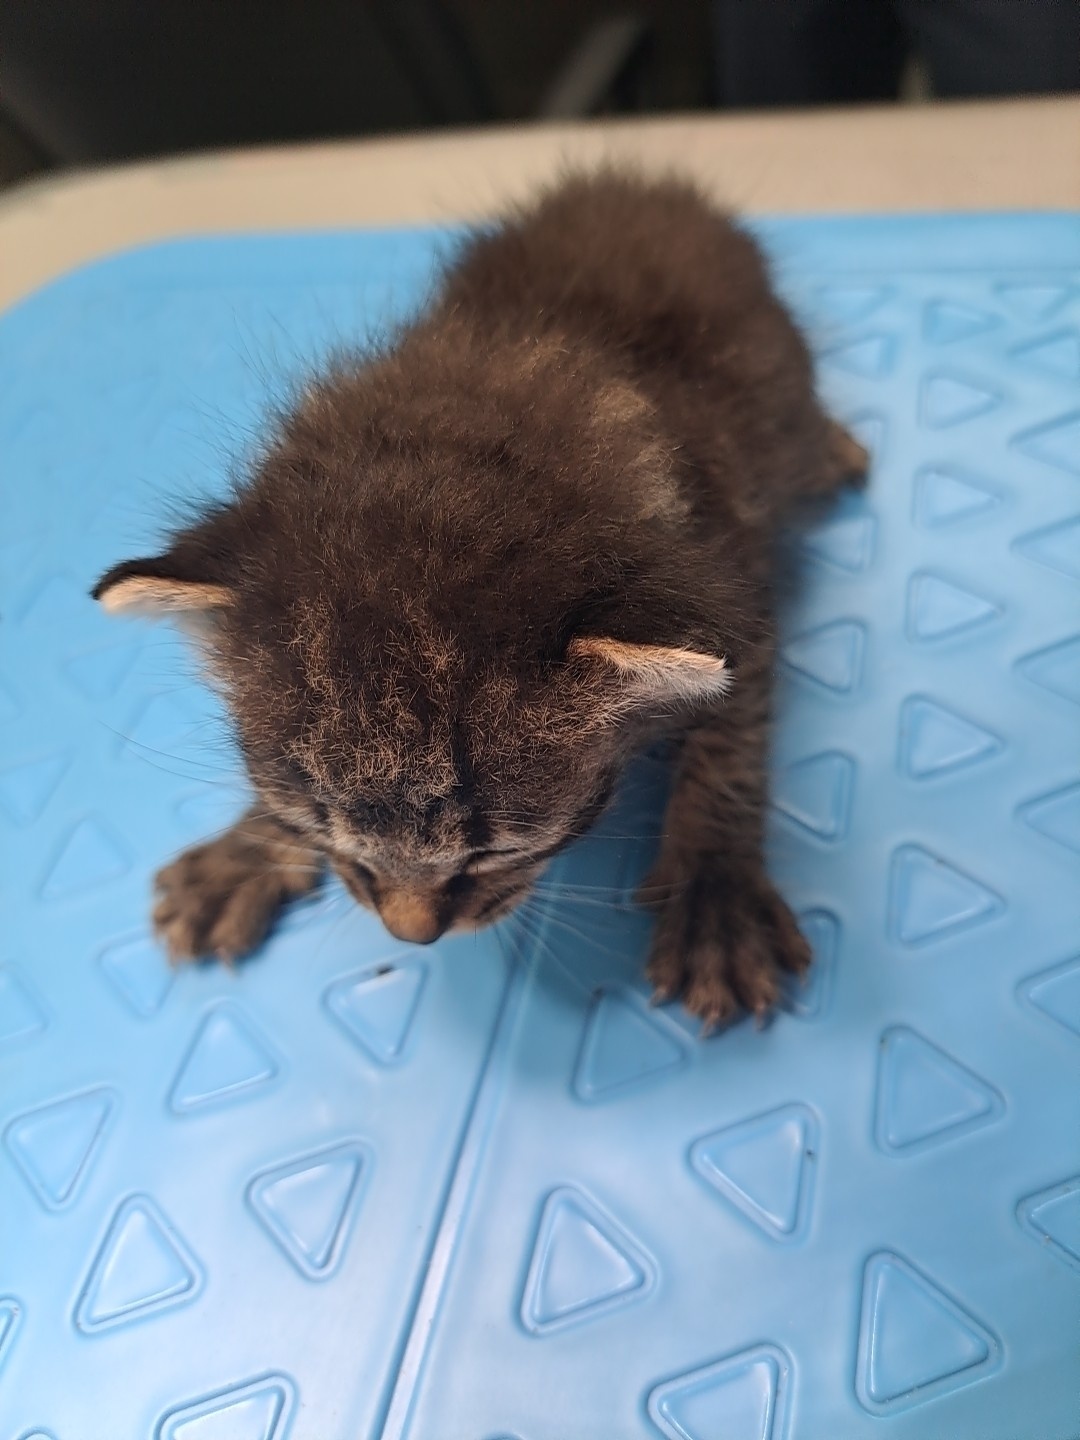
215, 903
666, 970
244, 919
721, 942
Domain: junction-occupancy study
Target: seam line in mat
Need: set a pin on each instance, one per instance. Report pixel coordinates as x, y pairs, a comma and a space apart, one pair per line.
486, 1098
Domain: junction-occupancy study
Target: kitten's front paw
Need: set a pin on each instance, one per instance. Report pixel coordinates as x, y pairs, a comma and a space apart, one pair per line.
721, 940
218, 900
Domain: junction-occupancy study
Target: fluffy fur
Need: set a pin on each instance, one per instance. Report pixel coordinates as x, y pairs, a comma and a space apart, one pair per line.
472, 574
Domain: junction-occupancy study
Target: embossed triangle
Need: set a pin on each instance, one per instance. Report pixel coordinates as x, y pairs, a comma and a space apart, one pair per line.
622, 1045
924, 1095
808, 995
848, 304
1057, 546
584, 1263
89, 857
1056, 669
816, 794
100, 673
831, 655
930, 899
53, 1144
943, 496
308, 1205
1057, 354
143, 1266
869, 356
743, 1397
1057, 816
172, 725
56, 604
1033, 302
846, 543
26, 789
21, 1015
946, 399
915, 1342
937, 608
869, 430
1055, 444
760, 1167
140, 974
377, 1007
935, 740
10, 1314
1056, 993
228, 1059
1052, 1217
258, 1410
946, 321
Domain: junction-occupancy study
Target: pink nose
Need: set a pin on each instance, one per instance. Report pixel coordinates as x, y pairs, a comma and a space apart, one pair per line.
411, 917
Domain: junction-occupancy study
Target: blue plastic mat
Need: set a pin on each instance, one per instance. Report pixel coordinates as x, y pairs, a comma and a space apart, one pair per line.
482, 1191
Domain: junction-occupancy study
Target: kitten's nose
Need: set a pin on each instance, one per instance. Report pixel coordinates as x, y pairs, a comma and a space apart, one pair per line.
412, 917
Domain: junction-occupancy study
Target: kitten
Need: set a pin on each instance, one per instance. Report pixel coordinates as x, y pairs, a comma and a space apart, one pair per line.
472, 575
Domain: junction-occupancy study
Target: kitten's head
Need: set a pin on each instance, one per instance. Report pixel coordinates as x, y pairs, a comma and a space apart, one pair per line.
436, 683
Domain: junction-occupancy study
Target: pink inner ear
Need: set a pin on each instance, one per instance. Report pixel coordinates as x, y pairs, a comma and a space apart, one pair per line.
658, 671
150, 595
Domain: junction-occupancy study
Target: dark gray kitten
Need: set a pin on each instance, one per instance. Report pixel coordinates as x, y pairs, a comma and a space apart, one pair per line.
474, 573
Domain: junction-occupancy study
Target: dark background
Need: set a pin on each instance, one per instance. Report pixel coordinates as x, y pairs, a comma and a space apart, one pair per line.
92, 81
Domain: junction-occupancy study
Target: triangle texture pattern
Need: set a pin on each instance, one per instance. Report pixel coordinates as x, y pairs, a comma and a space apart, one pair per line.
947, 400
143, 1267
583, 1264
931, 899
1057, 355
946, 321
816, 794
89, 858
260, 1410
943, 496
377, 1008
1057, 994
227, 1060
924, 1095
1057, 443
622, 1046
831, 655
1058, 546
54, 1144
936, 741
21, 1014
139, 973
308, 1206
761, 1166
740, 1398
914, 1339
1057, 816
1052, 1217
1056, 669
26, 789
938, 609
845, 543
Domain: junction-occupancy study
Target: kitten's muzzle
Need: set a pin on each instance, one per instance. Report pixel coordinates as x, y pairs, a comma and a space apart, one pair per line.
412, 917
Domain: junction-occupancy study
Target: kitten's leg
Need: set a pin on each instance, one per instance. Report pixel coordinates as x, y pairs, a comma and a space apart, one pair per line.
218, 900
846, 461
723, 933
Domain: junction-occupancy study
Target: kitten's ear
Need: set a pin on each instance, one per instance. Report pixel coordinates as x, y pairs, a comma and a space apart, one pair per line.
656, 674
156, 586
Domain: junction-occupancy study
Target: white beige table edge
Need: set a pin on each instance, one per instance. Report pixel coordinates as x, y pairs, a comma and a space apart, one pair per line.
1016, 155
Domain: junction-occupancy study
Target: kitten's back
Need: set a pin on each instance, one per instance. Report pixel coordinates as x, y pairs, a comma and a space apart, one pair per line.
678, 299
